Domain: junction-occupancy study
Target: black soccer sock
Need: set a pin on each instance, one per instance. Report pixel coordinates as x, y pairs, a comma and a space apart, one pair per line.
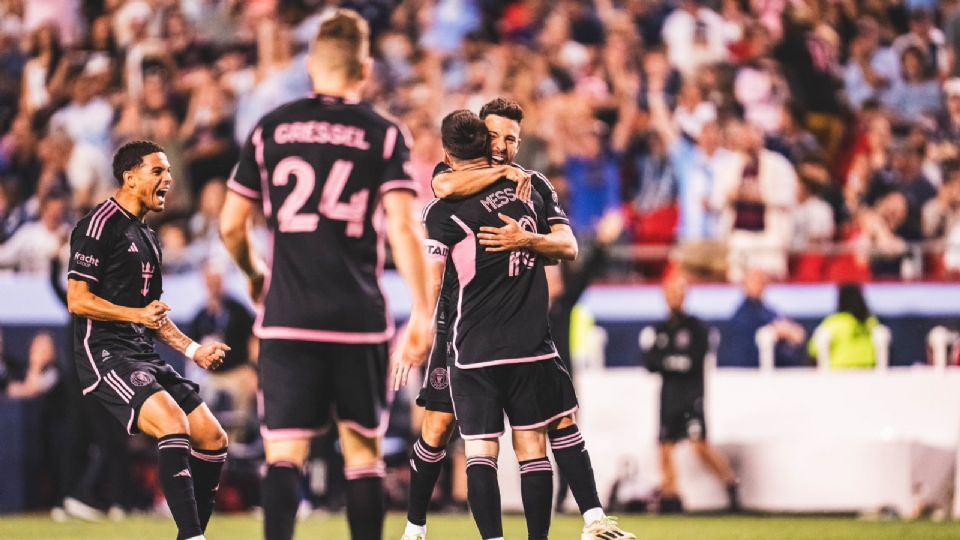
206, 466
573, 460
280, 499
425, 464
173, 464
365, 505
536, 491
483, 494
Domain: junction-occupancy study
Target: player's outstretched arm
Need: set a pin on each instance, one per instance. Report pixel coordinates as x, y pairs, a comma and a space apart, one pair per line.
208, 356
234, 232
406, 236
559, 244
83, 303
467, 182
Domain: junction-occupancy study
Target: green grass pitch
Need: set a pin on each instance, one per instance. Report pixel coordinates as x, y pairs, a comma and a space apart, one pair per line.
456, 527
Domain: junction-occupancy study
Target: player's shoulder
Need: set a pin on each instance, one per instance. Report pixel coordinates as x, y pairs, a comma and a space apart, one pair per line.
101, 221
437, 210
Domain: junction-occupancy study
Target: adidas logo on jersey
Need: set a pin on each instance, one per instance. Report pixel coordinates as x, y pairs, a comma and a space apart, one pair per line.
105, 354
185, 473
133, 248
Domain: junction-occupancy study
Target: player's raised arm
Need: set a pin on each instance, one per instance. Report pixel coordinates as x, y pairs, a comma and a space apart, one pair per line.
464, 183
234, 232
406, 240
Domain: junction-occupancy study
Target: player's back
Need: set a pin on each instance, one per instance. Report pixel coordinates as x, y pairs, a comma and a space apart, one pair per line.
320, 166
501, 301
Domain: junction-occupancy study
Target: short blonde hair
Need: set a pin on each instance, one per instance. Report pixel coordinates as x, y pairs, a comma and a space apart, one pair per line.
343, 43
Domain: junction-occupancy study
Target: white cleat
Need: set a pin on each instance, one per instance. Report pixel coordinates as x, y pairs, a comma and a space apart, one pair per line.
414, 532
414, 536
605, 528
80, 510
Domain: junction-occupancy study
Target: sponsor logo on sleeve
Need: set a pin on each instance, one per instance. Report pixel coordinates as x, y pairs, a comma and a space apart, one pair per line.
88, 261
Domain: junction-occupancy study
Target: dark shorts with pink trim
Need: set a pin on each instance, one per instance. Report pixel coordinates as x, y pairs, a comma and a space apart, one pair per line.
532, 394
125, 384
306, 386
435, 392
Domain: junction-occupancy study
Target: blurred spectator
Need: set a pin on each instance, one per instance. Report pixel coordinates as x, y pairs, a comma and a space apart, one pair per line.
845, 339
928, 40
884, 232
232, 387
207, 132
942, 212
756, 192
696, 35
813, 223
650, 189
738, 348
917, 94
792, 139
88, 116
871, 68
30, 249
46, 53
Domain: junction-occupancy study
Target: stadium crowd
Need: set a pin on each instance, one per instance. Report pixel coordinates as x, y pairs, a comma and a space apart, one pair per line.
811, 140
817, 140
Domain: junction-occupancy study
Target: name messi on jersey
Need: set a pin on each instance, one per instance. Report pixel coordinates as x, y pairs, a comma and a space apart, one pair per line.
498, 199
321, 133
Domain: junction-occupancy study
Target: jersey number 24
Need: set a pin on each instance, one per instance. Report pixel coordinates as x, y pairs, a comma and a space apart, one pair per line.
292, 219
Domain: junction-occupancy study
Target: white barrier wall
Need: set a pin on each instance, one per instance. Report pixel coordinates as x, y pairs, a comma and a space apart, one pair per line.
800, 440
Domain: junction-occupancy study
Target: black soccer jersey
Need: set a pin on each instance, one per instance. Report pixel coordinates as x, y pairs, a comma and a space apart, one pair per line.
501, 297
119, 257
677, 348
553, 213
319, 166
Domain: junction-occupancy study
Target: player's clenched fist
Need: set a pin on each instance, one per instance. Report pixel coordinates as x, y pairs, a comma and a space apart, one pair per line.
211, 356
152, 316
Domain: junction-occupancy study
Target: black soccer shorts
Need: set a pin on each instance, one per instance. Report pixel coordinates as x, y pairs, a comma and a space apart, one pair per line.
532, 394
435, 391
683, 421
305, 386
126, 383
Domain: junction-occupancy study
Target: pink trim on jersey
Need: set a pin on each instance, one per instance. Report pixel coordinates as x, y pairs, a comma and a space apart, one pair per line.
391, 185
82, 275
93, 364
95, 218
547, 421
464, 256
264, 181
130, 422
522, 360
243, 190
100, 218
389, 142
327, 336
98, 232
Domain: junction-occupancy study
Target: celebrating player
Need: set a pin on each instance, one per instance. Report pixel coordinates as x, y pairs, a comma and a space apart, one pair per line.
322, 168
503, 358
113, 291
502, 118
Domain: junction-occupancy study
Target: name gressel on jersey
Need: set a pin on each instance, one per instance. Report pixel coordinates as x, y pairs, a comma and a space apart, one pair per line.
119, 257
500, 301
319, 166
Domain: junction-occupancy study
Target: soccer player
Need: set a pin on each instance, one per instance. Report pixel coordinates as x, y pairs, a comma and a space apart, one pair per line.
325, 168
113, 291
502, 118
503, 358
676, 348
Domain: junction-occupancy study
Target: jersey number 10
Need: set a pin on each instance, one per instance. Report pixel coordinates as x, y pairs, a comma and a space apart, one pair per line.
292, 220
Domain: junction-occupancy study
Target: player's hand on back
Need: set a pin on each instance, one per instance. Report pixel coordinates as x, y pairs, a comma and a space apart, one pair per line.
211, 355
413, 348
510, 237
153, 315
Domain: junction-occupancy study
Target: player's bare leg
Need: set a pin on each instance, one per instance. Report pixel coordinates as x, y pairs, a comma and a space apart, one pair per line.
207, 457
573, 460
721, 467
281, 486
536, 480
161, 418
426, 460
483, 491
669, 499
364, 470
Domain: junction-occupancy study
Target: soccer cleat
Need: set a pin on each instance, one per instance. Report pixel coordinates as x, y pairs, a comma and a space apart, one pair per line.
605, 528
414, 532
80, 510
414, 536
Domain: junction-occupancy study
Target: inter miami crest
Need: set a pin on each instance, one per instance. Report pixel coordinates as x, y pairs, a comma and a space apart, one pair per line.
438, 378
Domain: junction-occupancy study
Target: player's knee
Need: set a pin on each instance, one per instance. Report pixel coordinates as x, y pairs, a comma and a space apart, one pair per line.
217, 438
437, 428
173, 422
529, 445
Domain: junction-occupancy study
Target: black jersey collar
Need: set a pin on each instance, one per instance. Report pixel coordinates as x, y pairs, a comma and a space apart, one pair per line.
123, 210
329, 99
